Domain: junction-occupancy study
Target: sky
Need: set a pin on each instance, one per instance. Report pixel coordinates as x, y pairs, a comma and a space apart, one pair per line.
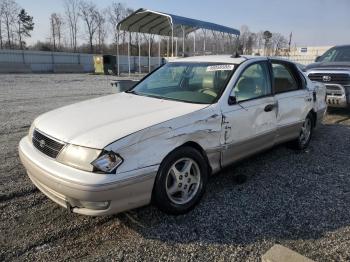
313, 22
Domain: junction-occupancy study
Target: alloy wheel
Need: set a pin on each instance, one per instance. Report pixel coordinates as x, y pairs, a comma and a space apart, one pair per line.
305, 132
183, 181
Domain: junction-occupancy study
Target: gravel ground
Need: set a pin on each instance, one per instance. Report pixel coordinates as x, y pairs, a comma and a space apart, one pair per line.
298, 199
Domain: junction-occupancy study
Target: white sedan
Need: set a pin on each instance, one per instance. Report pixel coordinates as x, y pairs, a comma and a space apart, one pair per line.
159, 141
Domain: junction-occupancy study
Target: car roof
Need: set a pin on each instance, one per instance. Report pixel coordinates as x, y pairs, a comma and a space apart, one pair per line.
341, 46
224, 59
213, 59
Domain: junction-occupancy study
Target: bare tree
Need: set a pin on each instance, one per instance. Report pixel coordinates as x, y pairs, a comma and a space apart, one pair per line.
279, 43
53, 30
56, 23
116, 13
10, 9
250, 43
89, 14
72, 15
259, 41
59, 25
101, 30
243, 38
1, 22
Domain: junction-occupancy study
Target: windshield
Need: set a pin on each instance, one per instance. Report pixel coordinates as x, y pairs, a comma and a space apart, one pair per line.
189, 82
337, 54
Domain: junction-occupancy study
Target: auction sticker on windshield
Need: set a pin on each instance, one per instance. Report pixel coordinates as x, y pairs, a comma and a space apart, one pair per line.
220, 68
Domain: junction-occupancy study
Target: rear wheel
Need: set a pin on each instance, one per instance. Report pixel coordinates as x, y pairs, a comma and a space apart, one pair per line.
180, 181
305, 134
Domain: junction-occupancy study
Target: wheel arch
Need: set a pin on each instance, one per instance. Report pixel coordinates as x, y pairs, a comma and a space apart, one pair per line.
197, 147
314, 117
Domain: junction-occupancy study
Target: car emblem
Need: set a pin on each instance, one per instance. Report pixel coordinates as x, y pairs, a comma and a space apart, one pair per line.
42, 143
326, 78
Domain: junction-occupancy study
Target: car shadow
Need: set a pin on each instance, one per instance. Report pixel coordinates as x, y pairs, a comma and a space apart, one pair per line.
287, 195
338, 116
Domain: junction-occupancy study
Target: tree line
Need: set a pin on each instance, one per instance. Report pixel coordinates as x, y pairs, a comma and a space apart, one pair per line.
15, 25
264, 42
84, 27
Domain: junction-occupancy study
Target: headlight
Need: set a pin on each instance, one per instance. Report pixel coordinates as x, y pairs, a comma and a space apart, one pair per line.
107, 162
31, 131
78, 157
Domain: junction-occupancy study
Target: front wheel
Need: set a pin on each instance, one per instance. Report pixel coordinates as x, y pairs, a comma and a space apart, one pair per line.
180, 181
305, 134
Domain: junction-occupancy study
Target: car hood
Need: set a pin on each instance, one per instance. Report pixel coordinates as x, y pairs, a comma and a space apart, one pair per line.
98, 122
328, 65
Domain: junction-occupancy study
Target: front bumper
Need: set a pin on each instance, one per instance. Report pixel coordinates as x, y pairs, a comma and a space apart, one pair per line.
337, 101
337, 96
70, 187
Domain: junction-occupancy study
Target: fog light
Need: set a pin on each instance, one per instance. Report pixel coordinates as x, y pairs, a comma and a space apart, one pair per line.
72, 203
95, 205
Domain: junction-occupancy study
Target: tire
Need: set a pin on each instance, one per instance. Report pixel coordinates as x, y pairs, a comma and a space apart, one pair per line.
181, 181
304, 138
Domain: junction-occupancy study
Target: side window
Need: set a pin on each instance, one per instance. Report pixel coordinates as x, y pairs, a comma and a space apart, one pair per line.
343, 54
254, 82
329, 55
284, 79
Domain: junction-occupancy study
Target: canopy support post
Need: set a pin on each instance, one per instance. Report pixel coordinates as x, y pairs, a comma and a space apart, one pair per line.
139, 42
118, 71
149, 54
223, 41
183, 41
204, 40
194, 43
172, 40
167, 47
129, 53
231, 47
176, 47
159, 58
216, 42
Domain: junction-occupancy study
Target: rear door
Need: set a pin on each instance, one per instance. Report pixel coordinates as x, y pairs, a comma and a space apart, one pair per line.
293, 99
249, 125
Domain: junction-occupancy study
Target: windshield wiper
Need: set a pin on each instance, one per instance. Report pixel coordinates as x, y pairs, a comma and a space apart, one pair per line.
131, 92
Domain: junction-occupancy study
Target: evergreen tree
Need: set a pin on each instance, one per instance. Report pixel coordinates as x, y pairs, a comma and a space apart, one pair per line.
25, 26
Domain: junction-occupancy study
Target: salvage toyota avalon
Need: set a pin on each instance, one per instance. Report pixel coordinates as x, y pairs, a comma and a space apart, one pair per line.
159, 141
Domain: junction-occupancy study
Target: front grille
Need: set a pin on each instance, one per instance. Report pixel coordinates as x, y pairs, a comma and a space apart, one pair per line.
341, 79
334, 88
46, 145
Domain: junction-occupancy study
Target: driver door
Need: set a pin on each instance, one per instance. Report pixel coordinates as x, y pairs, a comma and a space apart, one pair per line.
249, 125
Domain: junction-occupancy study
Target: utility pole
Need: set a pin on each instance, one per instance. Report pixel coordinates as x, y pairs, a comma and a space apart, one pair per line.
290, 42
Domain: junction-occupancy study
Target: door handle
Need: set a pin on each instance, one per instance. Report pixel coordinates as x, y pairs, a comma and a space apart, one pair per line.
269, 107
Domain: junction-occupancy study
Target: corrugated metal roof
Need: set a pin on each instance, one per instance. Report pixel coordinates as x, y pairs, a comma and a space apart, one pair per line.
152, 22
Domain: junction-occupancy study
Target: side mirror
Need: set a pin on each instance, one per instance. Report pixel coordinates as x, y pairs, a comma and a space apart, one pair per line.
317, 58
232, 100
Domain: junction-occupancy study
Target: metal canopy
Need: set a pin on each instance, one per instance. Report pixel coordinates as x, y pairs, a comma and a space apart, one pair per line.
152, 22
166, 25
